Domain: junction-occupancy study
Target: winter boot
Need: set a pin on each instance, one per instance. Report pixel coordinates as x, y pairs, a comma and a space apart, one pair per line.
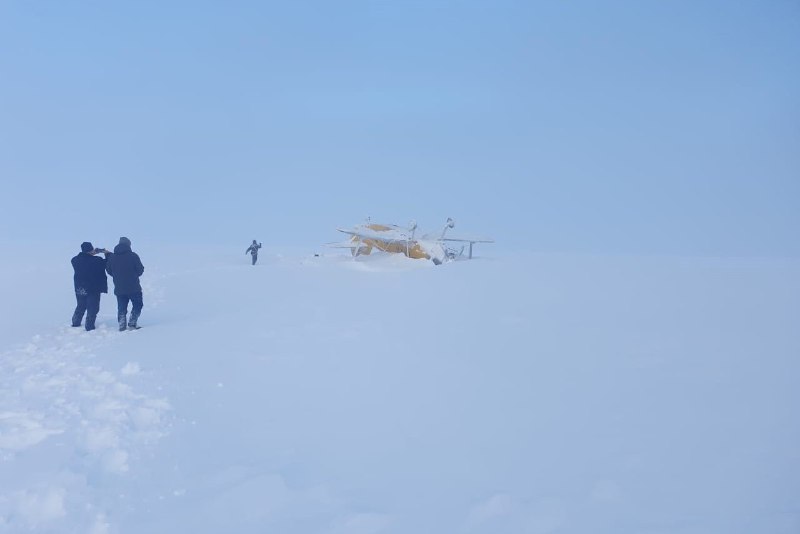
123, 322
133, 321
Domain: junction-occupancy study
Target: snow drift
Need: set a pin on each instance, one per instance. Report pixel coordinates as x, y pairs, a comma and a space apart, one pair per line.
525, 393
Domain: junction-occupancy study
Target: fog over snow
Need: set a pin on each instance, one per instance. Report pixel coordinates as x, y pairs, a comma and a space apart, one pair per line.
511, 393
624, 358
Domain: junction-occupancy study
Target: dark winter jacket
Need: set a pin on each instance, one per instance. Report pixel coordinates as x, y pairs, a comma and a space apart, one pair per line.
125, 268
90, 274
253, 249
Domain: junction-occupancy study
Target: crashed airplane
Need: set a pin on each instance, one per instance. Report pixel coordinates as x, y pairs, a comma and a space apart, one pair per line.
398, 240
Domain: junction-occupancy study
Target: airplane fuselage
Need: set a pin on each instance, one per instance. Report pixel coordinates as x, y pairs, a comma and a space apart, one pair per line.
364, 246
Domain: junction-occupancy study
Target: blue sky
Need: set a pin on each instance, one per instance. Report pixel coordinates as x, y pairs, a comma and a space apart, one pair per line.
611, 127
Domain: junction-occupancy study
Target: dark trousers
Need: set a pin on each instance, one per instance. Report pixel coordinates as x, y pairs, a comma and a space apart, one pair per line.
88, 303
255, 258
122, 308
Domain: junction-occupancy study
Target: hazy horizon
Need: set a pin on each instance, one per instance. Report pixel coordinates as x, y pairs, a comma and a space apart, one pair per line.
621, 128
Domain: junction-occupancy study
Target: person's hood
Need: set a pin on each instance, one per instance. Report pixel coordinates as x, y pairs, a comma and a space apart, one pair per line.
122, 248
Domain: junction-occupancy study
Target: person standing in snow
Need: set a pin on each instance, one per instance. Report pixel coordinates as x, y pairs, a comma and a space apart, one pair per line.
125, 268
90, 280
253, 250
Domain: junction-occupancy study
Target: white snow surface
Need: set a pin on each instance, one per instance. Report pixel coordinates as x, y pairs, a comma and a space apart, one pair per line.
520, 393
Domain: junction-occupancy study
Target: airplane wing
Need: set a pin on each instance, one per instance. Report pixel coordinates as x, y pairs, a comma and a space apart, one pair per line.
389, 236
469, 239
461, 239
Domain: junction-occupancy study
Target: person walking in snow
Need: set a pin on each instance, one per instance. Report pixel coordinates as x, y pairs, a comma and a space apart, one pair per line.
253, 250
125, 268
90, 280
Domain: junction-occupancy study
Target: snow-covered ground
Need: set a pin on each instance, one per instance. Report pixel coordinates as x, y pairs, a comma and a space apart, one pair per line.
516, 393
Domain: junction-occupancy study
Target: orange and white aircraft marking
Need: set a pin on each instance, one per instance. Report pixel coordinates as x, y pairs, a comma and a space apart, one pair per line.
398, 240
